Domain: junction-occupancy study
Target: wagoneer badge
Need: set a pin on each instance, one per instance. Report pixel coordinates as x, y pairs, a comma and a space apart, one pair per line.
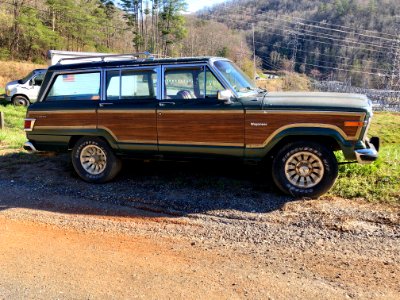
258, 124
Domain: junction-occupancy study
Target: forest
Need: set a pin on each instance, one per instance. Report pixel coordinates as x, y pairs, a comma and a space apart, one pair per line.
355, 42
351, 41
29, 28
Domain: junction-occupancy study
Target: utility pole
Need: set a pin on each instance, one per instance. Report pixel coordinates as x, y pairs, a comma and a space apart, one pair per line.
254, 53
296, 45
396, 65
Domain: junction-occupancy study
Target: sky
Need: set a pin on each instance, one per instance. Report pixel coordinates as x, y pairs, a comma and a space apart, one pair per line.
194, 5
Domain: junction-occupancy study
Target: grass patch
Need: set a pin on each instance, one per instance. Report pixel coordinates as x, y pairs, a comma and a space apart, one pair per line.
13, 135
380, 181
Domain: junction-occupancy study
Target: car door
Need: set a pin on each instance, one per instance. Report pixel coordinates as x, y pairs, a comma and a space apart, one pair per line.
190, 119
35, 84
128, 109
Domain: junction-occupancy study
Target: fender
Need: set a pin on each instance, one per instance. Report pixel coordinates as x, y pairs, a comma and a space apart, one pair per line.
261, 151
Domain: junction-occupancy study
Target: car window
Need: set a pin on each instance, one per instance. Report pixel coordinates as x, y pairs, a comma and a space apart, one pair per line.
38, 80
75, 86
190, 83
131, 84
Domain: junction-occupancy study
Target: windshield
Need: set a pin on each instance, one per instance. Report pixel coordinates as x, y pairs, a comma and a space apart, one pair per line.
26, 78
238, 80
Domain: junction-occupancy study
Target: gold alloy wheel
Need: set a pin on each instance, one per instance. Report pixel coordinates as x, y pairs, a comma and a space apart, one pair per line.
304, 169
93, 159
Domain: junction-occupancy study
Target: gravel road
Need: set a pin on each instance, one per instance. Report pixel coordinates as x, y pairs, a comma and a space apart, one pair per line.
227, 220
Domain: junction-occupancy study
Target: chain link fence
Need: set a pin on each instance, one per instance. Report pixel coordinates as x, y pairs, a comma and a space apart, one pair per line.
383, 100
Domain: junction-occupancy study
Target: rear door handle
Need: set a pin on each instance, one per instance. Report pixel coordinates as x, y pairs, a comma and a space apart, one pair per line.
105, 104
162, 104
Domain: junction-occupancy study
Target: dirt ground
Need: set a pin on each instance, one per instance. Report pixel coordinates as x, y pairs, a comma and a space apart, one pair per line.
163, 231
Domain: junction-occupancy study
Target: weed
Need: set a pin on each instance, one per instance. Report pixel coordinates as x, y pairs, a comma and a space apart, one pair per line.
13, 135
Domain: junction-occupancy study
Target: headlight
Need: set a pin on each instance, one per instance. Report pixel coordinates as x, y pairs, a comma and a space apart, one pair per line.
8, 92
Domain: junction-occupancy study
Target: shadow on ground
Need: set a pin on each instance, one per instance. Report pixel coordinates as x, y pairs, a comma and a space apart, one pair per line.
47, 181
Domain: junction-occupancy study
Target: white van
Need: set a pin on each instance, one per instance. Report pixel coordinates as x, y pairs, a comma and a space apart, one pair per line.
24, 91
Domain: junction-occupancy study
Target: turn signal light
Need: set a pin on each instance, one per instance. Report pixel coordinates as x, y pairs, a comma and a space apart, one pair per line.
28, 124
353, 124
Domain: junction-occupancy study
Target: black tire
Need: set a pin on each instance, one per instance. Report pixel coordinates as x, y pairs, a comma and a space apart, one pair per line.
109, 164
304, 176
20, 101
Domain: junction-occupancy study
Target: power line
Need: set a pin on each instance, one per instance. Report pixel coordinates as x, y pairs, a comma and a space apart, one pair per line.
346, 27
317, 53
284, 18
324, 61
263, 58
329, 36
318, 35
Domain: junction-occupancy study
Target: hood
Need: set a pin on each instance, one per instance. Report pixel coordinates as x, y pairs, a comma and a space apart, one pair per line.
317, 99
12, 84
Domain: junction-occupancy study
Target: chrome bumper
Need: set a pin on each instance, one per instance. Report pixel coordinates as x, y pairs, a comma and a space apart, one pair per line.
370, 153
28, 146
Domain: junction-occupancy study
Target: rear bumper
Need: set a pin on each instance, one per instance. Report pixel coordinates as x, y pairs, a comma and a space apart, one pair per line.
370, 153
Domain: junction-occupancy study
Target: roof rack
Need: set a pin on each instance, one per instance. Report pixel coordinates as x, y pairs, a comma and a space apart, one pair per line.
133, 56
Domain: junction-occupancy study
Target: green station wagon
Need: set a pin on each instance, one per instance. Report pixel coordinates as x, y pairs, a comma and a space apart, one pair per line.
204, 107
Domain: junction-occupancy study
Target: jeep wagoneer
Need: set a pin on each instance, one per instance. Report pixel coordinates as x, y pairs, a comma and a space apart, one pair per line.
104, 110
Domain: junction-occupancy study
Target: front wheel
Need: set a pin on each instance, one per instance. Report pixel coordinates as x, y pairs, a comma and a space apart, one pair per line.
94, 160
20, 101
305, 169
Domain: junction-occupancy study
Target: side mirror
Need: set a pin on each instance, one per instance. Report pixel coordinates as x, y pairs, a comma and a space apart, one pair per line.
31, 82
225, 96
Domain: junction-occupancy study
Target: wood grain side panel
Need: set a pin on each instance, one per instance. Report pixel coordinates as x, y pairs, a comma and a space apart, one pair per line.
130, 127
201, 128
256, 135
49, 119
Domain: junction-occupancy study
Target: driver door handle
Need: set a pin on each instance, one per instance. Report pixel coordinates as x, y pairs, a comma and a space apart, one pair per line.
105, 104
162, 104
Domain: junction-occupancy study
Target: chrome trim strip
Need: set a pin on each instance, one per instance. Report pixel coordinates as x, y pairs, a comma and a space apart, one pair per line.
191, 143
89, 111
201, 111
308, 125
128, 111
301, 112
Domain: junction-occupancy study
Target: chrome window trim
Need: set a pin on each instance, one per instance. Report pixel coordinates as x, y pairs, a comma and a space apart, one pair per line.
77, 71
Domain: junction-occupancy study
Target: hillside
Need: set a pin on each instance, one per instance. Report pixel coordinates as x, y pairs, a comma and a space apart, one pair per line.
354, 41
29, 28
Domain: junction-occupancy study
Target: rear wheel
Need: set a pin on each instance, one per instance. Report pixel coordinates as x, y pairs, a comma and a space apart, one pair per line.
305, 169
20, 101
94, 160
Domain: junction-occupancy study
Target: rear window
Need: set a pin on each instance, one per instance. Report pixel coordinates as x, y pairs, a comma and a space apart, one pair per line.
75, 86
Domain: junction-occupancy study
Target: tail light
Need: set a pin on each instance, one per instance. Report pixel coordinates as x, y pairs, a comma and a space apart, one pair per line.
28, 124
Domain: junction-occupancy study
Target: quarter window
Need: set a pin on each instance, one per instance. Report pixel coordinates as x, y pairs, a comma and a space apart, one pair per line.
75, 86
131, 85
